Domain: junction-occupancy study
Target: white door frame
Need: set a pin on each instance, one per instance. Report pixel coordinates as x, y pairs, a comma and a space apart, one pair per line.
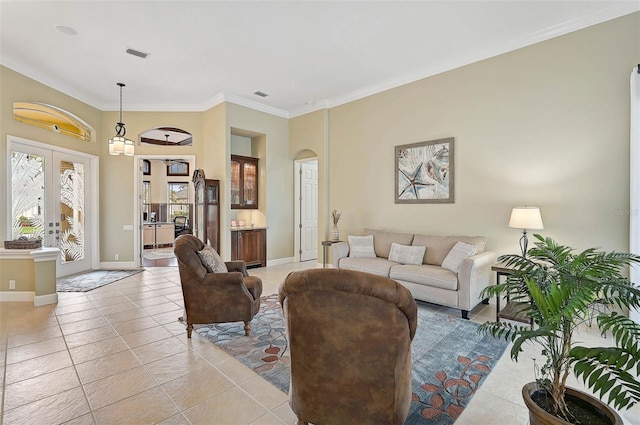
297, 209
137, 193
92, 234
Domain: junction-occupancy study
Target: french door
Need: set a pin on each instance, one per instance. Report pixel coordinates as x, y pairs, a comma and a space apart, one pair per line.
48, 200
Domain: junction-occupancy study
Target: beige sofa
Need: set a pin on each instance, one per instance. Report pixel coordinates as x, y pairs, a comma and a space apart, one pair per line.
428, 281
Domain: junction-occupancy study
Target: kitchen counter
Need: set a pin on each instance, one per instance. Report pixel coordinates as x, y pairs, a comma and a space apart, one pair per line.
239, 228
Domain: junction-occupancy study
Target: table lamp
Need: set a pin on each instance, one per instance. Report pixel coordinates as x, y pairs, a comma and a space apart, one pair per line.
525, 218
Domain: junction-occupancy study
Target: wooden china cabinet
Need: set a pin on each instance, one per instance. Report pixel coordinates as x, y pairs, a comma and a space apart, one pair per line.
207, 214
244, 182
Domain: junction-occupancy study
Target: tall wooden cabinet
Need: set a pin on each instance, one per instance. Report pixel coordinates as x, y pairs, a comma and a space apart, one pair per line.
244, 182
207, 211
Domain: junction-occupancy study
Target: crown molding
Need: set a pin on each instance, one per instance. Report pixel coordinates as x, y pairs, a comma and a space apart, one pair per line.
251, 104
306, 109
612, 11
46, 80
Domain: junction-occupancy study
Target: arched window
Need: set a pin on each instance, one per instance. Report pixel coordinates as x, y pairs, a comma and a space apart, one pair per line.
166, 136
52, 118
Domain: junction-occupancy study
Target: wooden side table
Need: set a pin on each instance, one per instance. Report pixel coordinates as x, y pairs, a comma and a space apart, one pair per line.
325, 245
513, 309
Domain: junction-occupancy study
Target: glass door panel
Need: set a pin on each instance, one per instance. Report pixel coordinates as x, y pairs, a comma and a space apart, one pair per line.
70, 211
47, 201
72, 222
250, 183
27, 196
235, 182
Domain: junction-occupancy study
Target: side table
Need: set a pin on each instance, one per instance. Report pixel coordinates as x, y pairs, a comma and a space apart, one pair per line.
513, 309
325, 245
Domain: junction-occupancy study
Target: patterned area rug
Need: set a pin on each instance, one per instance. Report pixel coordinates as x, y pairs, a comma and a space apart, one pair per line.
450, 359
84, 282
158, 254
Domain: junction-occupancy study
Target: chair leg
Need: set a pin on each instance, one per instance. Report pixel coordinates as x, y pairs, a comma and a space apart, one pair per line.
189, 329
247, 328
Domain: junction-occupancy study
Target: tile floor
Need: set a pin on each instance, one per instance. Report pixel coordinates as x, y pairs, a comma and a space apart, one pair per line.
117, 355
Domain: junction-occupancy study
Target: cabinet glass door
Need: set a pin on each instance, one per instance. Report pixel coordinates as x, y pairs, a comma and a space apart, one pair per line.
250, 187
235, 182
212, 194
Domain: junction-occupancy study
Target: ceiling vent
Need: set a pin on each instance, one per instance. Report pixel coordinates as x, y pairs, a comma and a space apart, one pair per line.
261, 94
137, 53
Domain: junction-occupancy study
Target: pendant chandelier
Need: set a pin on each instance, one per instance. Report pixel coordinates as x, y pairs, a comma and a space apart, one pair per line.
118, 144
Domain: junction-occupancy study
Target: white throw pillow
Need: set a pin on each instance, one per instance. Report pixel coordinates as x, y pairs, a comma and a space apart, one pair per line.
212, 261
405, 254
457, 255
361, 247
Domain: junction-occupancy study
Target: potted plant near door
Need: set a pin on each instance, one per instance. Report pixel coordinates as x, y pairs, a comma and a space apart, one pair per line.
557, 289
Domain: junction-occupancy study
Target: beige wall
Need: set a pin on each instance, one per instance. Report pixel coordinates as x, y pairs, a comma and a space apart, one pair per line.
546, 125
117, 200
22, 271
276, 176
15, 87
211, 138
308, 137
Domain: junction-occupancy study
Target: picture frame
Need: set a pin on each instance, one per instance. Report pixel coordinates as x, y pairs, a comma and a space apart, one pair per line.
178, 168
424, 172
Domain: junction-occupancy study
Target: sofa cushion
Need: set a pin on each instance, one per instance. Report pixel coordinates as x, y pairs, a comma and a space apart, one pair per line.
406, 254
378, 266
361, 247
438, 246
434, 276
382, 240
457, 255
211, 260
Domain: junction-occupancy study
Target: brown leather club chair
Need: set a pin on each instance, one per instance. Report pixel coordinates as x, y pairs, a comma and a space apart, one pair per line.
215, 297
350, 338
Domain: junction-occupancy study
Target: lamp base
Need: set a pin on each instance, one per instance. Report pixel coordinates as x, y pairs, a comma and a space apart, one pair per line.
524, 241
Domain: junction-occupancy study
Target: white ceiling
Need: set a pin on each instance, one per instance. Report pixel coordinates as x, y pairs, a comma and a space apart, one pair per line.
325, 52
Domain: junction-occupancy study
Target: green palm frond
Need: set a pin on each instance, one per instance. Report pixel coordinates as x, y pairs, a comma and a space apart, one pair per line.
558, 287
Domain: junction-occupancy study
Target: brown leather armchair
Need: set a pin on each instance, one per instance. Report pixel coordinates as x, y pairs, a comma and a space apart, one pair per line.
215, 297
350, 339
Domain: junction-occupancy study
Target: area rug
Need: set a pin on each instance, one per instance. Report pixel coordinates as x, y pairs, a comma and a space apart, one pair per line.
450, 359
87, 281
158, 254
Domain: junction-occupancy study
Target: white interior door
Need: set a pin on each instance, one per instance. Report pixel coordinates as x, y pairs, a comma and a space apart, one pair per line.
309, 210
48, 200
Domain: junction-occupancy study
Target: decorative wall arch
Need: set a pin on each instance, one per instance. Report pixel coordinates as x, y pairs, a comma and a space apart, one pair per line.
166, 136
53, 118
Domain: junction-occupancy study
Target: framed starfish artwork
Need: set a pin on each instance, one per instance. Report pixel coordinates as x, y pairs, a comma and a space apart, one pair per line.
424, 172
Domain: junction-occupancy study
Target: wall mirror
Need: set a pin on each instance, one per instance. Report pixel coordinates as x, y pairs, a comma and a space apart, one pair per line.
166, 136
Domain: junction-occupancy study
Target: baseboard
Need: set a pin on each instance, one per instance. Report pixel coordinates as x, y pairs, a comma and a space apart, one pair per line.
119, 265
16, 296
45, 299
280, 261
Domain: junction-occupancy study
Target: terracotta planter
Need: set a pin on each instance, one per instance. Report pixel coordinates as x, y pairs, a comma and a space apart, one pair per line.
538, 416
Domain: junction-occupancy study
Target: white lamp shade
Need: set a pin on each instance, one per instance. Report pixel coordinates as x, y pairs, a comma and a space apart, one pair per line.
128, 148
116, 145
526, 218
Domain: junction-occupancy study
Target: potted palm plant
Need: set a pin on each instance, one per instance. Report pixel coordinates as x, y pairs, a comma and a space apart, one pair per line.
556, 289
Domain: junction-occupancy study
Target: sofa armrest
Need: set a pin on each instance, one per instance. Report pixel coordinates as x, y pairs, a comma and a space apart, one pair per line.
474, 275
237, 266
338, 250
